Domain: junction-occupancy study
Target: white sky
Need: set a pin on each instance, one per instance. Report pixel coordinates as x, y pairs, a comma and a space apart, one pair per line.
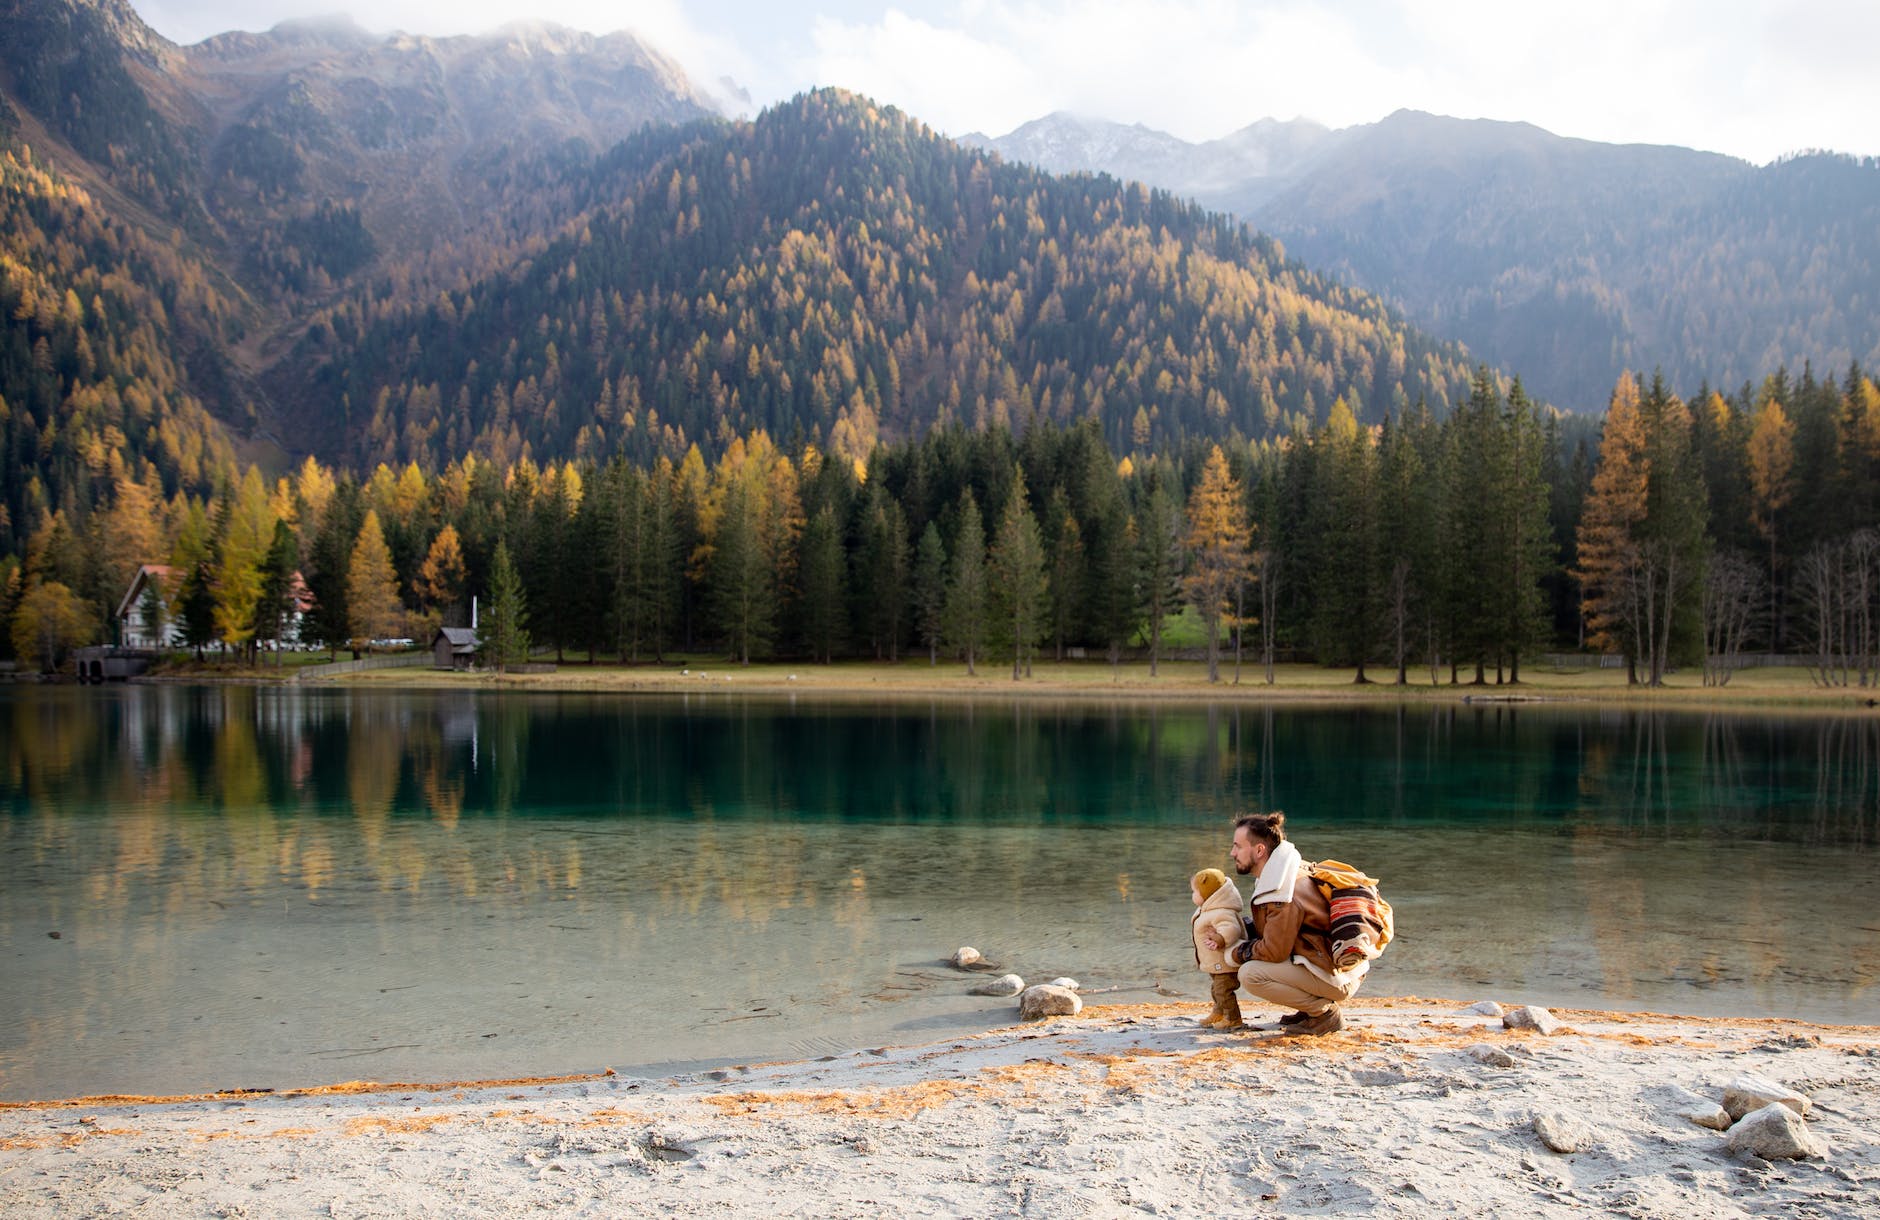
1753, 78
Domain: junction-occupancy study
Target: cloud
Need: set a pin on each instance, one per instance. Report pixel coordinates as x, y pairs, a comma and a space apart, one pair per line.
1743, 77
1755, 78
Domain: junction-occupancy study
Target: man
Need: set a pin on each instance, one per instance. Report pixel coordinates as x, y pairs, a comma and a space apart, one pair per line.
1287, 959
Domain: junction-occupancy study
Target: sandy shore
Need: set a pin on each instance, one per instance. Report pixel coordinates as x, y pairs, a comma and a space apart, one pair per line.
1123, 1110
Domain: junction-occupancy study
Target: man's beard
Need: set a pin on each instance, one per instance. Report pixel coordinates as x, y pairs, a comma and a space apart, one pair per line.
1243, 869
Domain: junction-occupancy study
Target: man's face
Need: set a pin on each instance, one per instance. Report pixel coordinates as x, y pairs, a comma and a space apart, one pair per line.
1245, 851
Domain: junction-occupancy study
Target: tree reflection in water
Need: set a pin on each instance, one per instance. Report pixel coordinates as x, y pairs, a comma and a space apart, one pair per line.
425, 864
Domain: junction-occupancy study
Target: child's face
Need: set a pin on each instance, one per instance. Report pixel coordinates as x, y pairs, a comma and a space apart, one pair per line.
1194, 895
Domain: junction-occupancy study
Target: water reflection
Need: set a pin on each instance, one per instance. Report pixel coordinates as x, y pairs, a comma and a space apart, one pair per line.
278, 886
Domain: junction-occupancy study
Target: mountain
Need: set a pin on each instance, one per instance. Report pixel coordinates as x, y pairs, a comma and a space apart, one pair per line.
1566, 260
173, 214
1218, 169
316, 240
837, 271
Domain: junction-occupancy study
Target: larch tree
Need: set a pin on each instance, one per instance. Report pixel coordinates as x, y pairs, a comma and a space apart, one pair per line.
441, 576
372, 585
1610, 562
1217, 540
1772, 486
49, 622
247, 531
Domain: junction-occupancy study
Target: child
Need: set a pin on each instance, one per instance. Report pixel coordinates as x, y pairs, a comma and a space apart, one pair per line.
1217, 910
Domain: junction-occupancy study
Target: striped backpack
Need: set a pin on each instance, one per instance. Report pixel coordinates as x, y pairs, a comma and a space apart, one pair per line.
1361, 920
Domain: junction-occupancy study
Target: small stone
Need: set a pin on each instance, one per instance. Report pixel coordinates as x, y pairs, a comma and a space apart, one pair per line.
1530, 1017
1774, 1132
1483, 1008
1045, 1000
1746, 1093
1695, 1108
1490, 1056
1562, 1132
966, 956
1068, 984
1005, 984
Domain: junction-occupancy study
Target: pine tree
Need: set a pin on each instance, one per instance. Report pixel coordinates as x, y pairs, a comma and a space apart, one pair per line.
1673, 543
197, 607
1406, 535
1068, 577
930, 590
1158, 566
1113, 593
1342, 562
1017, 581
329, 566
742, 602
276, 604
967, 596
1525, 538
505, 632
823, 592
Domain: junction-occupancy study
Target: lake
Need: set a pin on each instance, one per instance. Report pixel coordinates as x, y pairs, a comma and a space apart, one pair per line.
232, 887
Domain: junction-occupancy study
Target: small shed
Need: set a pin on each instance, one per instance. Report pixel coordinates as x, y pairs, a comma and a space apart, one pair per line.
454, 648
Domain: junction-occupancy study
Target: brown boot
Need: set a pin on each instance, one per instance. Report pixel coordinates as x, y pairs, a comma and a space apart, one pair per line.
1222, 990
1328, 1022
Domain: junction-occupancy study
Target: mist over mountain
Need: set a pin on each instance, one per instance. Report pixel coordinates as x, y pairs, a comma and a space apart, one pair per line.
1567, 260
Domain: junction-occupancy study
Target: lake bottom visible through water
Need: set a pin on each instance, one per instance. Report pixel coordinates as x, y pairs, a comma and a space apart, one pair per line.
228, 888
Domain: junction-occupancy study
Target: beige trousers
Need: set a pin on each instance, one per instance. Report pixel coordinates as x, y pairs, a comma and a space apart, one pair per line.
1293, 985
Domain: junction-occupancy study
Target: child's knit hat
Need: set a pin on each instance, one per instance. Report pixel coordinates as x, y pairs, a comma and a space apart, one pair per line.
1208, 880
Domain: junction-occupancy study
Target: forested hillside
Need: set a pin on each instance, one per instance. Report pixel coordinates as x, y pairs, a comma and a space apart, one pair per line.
825, 384
838, 271
411, 249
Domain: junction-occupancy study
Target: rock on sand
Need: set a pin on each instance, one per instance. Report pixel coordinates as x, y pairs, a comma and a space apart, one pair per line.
1046, 1000
1562, 1132
1746, 1093
1772, 1133
1530, 1017
1005, 984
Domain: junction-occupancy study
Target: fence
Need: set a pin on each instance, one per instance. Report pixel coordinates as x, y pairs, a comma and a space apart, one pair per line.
1748, 660
333, 669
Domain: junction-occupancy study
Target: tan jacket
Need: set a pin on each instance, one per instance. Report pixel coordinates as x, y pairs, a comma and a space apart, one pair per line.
1220, 914
1279, 929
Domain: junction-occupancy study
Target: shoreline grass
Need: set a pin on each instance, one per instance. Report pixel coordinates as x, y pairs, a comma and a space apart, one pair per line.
1762, 689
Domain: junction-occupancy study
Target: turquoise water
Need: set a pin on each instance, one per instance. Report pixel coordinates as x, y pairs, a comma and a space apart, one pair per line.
263, 888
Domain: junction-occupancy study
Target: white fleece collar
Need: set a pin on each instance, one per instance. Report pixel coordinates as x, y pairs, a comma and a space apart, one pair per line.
1278, 875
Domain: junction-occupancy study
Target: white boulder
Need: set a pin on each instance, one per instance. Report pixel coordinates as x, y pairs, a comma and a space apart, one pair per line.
1774, 1132
1045, 1000
1746, 1093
